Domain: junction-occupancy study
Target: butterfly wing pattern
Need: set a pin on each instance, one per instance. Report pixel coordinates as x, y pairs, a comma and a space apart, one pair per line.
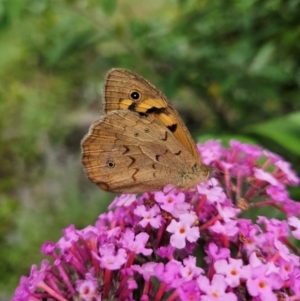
134, 148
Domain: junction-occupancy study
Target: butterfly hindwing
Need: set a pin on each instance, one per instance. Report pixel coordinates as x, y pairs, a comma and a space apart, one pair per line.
124, 152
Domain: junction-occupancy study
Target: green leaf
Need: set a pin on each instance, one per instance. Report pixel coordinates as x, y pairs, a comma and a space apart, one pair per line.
108, 6
14, 8
284, 130
262, 57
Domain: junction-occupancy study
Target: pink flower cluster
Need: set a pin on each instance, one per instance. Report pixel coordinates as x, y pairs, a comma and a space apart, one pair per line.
185, 245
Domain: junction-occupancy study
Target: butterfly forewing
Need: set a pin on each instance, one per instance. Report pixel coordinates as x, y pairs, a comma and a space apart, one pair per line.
125, 90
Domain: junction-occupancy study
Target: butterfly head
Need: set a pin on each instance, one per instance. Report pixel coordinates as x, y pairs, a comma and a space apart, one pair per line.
196, 174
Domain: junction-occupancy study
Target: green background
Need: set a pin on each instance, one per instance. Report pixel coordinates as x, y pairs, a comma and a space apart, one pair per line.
231, 68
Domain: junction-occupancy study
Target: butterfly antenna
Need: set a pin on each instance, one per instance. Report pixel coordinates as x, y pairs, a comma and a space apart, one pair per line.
171, 189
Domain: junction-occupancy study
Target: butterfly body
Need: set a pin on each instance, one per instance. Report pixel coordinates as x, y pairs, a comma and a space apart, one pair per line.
140, 143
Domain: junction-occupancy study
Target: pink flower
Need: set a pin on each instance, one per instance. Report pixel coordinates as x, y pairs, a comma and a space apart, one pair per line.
183, 230
231, 269
216, 290
262, 285
70, 236
227, 212
272, 156
275, 226
123, 200
169, 273
110, 257
189, 291
214, 193
87, 289
295, 223
295, 282
286, 268
216, 253
136, 243
189, 269
228, 228
210, 151
248, 233
277, 192
172, 202
166, 252
289, 173
146, 270
151, 216
260, 174
284, 252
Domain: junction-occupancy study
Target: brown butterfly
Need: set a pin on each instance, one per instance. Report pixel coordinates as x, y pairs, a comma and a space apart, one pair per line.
140, 143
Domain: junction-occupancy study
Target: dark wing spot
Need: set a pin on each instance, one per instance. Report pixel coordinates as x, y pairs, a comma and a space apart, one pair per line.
166, 137
110, 163
136, 134
133, 176
178, 153
157, 111
142, 114
132, 161
172, 127
126, 149
104, 186
132, 107
157, 157
135, 95
153, 166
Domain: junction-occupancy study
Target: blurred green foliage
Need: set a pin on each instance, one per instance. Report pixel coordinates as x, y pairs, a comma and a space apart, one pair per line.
232, 69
